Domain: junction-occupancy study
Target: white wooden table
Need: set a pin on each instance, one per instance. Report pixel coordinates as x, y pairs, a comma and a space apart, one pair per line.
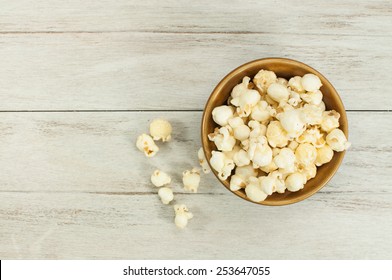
79, 80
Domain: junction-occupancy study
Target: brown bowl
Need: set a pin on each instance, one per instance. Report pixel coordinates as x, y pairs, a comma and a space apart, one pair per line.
285, 68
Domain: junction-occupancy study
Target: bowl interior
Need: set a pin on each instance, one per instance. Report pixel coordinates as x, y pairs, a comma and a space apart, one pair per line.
285, 68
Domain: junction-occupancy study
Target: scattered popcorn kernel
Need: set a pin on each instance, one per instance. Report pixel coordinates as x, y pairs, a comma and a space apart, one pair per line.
147, 145
160, 178
182, 215
311, 82
337, 140
160, 130
166, 195
191, 180
222, 114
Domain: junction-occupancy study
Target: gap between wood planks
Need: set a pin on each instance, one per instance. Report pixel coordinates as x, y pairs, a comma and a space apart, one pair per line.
180, 32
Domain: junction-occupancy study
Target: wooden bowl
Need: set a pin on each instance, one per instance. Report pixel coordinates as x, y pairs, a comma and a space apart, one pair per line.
285, 68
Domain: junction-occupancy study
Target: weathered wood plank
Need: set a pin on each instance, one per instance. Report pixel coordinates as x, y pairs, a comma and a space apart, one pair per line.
95, 152
144, 71
294, 17
91, 226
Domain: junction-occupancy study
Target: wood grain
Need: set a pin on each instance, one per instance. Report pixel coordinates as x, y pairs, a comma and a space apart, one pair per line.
96, 152
348, 17
149, 71
92, 226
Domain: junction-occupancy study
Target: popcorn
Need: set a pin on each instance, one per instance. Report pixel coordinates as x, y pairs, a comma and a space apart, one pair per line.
313, 136
296, 85
278, 92
262, 111
294, 98
246, 171
223, 138
291, 122
309, 171
259, 151
274, 138
241, 158
166, 195
263, 79
253, 190
267, 184
182, 215
295, 181
237, 182
282, 81
324, 155
147, 145
160, 178
276, 135
285, 159
269, 168
203, 162
258, 129
222, 114
246, 101
279, 184
160, 130
313, 98
191, 180
330, 120
239, 89
306, 154
311, 114
337, 140
241, 132
311, 82
221, 164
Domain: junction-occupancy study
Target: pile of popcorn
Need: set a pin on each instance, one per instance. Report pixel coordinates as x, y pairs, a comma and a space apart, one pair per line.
273, 134
161, 130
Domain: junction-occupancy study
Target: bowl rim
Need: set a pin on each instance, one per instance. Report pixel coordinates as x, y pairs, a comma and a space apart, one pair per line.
244, 66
